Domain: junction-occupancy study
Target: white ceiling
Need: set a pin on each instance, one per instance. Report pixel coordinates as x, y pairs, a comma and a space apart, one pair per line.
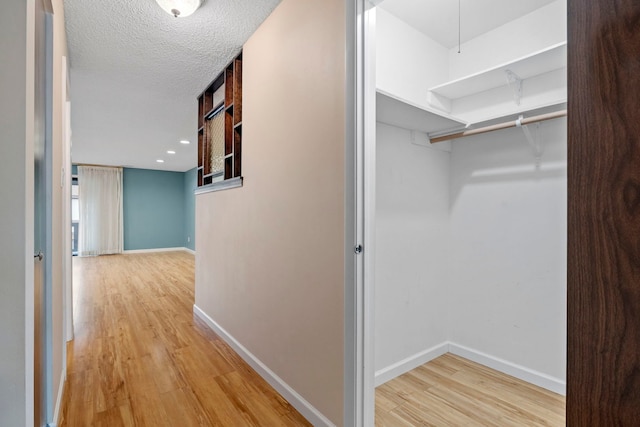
136, 72
438, 19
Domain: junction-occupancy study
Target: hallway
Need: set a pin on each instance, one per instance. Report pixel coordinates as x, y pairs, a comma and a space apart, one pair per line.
140, 358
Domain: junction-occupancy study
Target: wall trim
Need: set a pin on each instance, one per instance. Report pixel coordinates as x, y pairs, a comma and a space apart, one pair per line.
191, 251
297, 401
411, 362
529, 375
144, 251
61, 387
525, 374
227, 184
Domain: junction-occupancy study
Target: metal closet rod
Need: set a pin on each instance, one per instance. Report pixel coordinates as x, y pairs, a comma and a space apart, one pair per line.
505, 125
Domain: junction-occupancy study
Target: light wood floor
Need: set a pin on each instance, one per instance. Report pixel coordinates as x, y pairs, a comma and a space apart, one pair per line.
139, 358
452, 391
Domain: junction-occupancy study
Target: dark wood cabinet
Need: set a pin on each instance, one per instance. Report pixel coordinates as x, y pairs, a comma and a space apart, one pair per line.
220, 127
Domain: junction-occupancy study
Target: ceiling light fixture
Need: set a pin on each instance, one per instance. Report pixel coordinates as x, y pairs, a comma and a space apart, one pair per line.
160, 161
179, 8
171, 152
184, 141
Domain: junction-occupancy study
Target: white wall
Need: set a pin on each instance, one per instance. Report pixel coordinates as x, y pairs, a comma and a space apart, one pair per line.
17, 32
125, 103
60, 231
412, 240
484, 265
270, 255
532, 32
16, 210
408, 63
508, 248
471, 248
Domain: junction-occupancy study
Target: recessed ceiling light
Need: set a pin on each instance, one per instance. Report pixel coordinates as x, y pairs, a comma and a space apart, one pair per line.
171, 152
184, 141
160, 161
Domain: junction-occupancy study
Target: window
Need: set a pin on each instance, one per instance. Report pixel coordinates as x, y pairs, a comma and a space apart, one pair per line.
75, 215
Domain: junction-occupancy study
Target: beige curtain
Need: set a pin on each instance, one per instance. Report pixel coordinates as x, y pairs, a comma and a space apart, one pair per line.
100, 201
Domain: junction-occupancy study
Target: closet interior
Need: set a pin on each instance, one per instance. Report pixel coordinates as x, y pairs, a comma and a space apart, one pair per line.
471, 187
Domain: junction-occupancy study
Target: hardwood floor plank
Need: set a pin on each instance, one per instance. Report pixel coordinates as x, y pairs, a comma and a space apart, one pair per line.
140, 358
424, 409
410, 383
388, 398
390, 419
225, 411
183, 410
517, 391
476, 404
126, 414
110, 417
148, 410
454, 391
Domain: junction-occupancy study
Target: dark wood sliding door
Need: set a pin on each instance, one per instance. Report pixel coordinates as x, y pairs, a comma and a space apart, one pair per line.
603, 375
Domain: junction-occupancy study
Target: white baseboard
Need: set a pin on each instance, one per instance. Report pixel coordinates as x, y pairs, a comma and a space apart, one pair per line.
297, 401
411, 362
57, 408
191, 251
525, 374
144, 251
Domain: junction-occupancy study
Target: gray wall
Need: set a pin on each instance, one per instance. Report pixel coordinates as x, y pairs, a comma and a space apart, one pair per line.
159, 208
153, 210
15, 210
190, 178
412, 241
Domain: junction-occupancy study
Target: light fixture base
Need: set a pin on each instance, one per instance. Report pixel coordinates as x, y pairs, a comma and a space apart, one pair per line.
180, 8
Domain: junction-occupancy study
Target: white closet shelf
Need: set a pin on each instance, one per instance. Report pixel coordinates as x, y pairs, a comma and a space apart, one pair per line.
407, 115
542, 61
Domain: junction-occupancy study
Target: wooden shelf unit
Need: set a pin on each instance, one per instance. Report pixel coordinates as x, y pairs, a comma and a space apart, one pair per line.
222, 96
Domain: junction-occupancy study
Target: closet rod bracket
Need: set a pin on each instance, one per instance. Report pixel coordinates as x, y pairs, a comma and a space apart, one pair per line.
534, 143
515, 83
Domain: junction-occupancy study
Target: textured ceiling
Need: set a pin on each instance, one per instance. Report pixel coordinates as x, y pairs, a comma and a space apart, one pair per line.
438, 19
136, 72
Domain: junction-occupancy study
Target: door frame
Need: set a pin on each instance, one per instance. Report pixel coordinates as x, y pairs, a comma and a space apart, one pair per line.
48, 183
359, 372
608, 276
67, 277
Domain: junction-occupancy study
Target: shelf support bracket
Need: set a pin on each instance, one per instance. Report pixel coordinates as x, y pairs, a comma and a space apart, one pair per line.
534, 143
515, 83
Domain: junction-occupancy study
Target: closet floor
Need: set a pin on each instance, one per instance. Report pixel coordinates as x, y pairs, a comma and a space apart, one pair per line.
453, 391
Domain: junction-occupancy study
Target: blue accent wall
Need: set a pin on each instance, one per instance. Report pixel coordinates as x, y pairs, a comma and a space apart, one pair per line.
154, 209
190, 178
159, 208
